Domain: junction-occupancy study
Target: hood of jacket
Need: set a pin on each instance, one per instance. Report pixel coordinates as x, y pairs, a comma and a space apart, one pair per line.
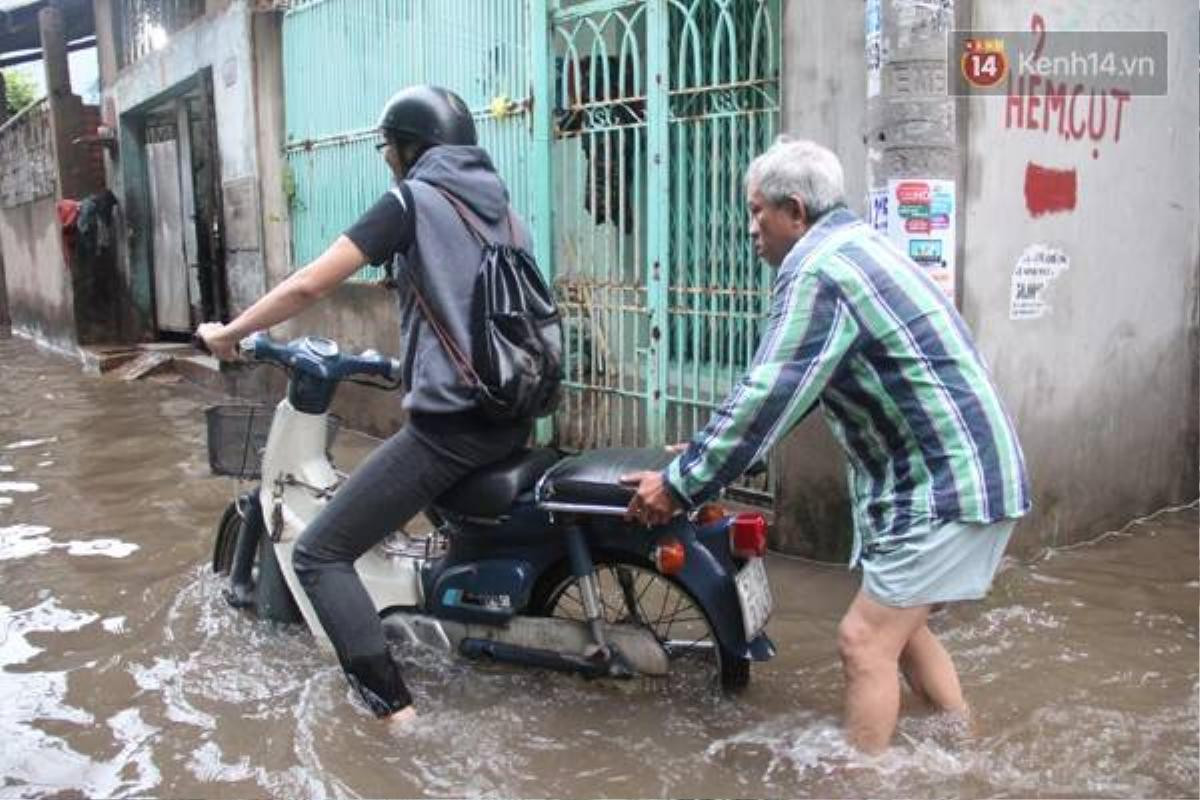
467, 173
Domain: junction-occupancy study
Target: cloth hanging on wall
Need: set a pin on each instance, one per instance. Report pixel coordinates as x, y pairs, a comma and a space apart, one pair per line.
609, 181
95, 224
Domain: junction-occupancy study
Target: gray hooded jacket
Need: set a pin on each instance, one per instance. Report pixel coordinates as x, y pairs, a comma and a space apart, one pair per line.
443, 262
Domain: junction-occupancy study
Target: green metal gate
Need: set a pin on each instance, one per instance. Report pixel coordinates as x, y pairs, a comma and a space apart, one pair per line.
664, 103
344, 58
622, 127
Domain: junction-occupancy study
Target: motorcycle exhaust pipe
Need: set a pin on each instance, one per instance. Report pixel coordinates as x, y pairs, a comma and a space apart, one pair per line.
529, 657
535, 641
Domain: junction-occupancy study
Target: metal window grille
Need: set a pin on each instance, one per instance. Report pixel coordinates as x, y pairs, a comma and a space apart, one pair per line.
147, 25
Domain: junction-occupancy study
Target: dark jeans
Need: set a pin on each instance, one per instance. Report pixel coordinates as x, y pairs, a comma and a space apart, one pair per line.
399, 479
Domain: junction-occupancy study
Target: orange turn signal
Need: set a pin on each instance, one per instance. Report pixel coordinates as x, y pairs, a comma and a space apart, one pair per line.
669, 556
709, 512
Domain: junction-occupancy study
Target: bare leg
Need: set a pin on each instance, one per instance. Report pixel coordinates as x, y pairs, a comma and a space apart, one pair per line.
871, 637
930, 672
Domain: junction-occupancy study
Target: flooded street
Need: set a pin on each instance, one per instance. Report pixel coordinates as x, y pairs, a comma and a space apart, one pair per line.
124, 673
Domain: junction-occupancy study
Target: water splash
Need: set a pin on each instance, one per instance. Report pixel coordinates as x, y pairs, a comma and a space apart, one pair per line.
112, 548
24, 541
24, 444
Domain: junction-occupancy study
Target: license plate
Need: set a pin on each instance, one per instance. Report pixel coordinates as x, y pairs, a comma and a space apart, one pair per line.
755, 594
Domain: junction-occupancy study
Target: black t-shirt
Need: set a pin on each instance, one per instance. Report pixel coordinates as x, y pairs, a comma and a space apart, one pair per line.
387, 228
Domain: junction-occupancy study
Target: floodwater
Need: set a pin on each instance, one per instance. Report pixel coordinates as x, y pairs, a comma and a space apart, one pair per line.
123, 673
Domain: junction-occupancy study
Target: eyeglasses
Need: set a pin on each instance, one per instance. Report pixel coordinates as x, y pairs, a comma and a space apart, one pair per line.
381, 146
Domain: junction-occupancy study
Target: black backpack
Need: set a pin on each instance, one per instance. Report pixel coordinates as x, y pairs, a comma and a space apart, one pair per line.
515, 365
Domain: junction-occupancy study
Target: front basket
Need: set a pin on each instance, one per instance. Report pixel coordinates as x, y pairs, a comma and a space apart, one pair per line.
237, 437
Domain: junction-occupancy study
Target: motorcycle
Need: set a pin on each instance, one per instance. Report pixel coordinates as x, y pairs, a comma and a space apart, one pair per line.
531, 560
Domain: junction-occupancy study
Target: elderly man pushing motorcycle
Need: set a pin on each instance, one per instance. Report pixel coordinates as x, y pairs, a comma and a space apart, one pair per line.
937, 476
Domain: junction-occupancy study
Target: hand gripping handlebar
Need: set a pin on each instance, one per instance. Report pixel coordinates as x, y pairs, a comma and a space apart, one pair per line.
320, 357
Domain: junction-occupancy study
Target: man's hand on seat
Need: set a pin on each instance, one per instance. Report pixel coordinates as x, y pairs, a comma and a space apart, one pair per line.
652, 502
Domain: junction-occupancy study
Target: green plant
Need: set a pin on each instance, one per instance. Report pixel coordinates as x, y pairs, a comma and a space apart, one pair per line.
289, 187
19, 90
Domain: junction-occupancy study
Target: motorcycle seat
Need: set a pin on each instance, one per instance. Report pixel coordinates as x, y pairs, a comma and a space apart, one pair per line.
490, 491
591, 480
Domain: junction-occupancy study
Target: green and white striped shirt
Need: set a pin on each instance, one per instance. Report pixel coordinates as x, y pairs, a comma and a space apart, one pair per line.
857, 326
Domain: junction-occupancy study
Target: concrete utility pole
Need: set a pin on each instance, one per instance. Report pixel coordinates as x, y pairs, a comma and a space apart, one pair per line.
911, 120
65, 108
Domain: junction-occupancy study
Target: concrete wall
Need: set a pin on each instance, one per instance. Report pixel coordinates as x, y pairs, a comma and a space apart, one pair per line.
357, 316
37, 281
1103, 387
5, 319
824, 99
221, 42
40, 299
271, 137
825, 84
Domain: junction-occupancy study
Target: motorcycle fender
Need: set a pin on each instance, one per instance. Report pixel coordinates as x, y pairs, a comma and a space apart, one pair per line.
712, 585
762, 648
706, 579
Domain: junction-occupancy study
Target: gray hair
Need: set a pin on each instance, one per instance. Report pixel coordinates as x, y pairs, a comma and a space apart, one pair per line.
798, 167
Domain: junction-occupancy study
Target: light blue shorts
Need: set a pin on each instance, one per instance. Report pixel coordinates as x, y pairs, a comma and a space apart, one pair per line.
953, 561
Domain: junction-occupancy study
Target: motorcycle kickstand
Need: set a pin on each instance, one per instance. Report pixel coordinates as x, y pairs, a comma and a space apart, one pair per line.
584, 570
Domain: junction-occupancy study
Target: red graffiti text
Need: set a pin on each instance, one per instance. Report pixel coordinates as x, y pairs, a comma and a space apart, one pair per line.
1072, 113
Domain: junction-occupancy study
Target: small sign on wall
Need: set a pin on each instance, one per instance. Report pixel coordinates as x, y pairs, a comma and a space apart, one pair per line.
877, 206
1037, 268
920, 220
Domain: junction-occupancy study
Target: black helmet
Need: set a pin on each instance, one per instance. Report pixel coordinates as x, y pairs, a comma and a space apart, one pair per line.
428, 114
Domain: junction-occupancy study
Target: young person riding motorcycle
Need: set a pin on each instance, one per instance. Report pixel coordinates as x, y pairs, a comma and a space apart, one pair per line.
430, 144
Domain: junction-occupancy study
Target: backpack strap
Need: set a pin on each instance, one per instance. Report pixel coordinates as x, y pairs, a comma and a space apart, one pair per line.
461, 362
404, 193
472, 221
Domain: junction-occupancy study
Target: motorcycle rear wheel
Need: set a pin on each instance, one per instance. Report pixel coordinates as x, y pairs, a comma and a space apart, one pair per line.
633, 592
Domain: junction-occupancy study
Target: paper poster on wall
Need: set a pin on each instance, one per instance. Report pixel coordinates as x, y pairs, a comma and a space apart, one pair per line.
920, 220
1036, 269
874, 53
877, 206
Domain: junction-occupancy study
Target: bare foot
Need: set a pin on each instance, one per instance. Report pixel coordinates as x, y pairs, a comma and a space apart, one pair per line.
963, 723
402, 720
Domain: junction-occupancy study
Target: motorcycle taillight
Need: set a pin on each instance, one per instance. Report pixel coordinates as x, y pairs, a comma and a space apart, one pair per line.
748, 535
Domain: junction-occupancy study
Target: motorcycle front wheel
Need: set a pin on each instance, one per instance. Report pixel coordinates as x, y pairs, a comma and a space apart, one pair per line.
633, 593
267, 594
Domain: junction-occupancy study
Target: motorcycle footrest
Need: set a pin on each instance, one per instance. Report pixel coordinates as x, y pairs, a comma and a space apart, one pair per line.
532, 657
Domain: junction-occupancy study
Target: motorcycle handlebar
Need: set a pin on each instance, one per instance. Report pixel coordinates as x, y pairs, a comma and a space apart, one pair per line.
369, 362
321, 357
